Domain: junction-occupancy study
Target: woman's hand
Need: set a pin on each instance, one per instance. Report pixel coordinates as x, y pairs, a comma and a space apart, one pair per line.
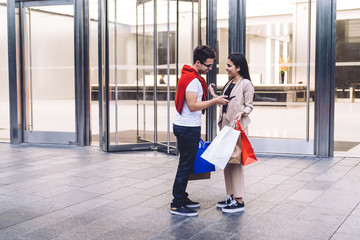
211, 90
238, 116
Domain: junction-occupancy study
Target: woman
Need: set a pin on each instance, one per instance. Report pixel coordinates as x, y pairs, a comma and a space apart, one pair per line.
240, 87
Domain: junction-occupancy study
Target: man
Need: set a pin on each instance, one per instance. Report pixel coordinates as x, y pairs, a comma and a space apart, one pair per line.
190, 102
162, 80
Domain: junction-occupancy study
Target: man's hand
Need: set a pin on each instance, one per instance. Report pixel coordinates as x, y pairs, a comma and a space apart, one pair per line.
222, 100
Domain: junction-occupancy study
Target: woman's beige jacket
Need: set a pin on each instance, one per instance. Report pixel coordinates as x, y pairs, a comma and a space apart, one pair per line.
242, 102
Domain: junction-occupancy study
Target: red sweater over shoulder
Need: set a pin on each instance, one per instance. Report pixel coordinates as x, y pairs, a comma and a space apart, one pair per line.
187, 75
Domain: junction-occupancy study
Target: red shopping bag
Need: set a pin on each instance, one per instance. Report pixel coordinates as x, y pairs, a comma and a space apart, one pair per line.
248, 155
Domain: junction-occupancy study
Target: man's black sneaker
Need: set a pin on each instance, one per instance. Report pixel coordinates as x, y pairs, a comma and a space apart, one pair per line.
183, 211
191, 204
234, 207
224, 203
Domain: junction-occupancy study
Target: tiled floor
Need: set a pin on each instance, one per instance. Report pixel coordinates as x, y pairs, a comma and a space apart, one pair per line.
84, 193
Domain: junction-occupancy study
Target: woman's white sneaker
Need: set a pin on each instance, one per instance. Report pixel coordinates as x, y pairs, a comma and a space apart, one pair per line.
224, 203
234, 207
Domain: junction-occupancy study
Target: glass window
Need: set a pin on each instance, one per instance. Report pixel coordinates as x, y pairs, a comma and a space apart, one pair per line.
277, 52
347, 82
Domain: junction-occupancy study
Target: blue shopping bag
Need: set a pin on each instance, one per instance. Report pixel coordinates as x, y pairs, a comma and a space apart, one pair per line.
201, 165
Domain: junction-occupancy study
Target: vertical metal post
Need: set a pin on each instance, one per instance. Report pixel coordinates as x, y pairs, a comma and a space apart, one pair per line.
237, 19
325, 77
86, 69
144, 62
100, 71
78, 40
15, 85
177, 42
23, 48
199, 23
30, 77
104, 74
211, 36
137, 69
192, 27
308, 73
82, 75
116, 83
155, 72
168, 76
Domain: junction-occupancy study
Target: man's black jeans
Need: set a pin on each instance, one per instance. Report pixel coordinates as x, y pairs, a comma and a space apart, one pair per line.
188, 142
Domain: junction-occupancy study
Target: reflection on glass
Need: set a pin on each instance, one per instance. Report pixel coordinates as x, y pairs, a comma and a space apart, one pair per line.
347, 82
4, 79
49, 69
277, 53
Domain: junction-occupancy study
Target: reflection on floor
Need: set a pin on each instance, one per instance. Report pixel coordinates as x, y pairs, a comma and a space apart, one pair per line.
344, 146
131, 136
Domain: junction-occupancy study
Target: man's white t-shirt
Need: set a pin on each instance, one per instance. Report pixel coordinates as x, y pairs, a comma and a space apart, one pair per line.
188, 118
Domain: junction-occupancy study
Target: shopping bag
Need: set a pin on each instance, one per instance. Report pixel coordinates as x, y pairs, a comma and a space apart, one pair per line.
199, 176
221, 148
248, 155
201, 165
235, 157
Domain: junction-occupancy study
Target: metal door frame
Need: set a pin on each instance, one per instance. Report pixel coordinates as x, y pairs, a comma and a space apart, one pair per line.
18, 135
104, 89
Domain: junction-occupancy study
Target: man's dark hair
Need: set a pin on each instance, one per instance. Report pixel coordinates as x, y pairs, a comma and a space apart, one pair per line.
203, 52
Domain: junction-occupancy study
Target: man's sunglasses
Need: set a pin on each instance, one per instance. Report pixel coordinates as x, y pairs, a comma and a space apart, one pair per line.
207, 65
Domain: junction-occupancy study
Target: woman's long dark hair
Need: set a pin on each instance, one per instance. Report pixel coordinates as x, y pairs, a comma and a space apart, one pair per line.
239, 60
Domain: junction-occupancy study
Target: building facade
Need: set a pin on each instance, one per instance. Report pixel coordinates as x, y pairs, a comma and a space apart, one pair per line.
88, 71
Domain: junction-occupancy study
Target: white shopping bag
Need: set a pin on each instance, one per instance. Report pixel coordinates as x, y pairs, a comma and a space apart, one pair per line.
221, 148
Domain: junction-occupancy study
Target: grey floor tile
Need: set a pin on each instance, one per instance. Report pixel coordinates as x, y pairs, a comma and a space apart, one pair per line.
289, 208
319, 185
306, 195
349, 162
290, 186
275, 196
259, 188
274, 179
337, 199
351, 226
186, 229
234, 223
125, 233
210, 234
83, 193
299, 232
344, 236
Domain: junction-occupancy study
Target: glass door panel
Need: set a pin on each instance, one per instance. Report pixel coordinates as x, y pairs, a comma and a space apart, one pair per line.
4, 76
146, 83
49, 78
347, 82
166, 73
280, 52
131, 74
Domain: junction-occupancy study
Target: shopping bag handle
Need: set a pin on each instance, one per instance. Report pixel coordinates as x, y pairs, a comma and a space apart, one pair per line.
237, 125
201, 142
